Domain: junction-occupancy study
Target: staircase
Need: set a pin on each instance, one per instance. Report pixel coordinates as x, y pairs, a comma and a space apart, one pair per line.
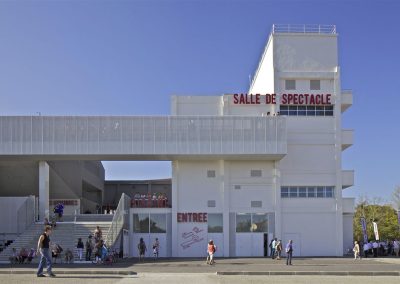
65, 234
27, 240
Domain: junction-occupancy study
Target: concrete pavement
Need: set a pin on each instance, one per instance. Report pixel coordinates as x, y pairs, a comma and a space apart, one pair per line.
229, 266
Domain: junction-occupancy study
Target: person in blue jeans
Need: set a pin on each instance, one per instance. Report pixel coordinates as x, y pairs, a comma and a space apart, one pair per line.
289, 252
43, 248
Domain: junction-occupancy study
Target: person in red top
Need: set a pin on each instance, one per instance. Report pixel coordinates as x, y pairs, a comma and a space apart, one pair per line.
211, 248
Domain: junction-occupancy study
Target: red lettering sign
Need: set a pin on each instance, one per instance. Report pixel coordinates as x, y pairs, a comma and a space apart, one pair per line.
191, 217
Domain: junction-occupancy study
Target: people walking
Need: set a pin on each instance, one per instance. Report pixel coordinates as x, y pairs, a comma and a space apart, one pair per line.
142, 249
89, 248
273, 248
289, 252
278, 249
356, 250
375, 247
43, 248
211, 249
366, 249
156, 247
80, 247
396, 247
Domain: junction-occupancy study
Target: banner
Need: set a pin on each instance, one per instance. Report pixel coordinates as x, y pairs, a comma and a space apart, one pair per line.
364, 230
376, 231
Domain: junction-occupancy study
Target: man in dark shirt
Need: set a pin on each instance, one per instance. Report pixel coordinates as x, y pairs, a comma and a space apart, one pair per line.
43, 248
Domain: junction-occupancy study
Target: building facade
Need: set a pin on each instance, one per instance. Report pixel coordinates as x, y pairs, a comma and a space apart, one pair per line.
245, 167
293, 189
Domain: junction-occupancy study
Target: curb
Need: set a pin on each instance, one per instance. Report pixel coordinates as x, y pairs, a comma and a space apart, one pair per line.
320, 273
63, 272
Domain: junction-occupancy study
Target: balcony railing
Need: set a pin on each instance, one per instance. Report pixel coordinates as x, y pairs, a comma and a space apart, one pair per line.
160, 136
150, 201
304, 29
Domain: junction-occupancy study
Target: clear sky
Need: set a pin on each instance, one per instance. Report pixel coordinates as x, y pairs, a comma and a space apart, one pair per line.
127, 58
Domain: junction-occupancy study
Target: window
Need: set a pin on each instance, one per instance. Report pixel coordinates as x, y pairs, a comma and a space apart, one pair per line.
302, 192
284, 192
302, 110
256, 203
293, 192
320, 191
329, 191
215, 223
158, 223
243, 223
284, 110
290, 84
141, 223
320, 111
315, 85
328, 110
211, 174
309, 110
293, 110
255, 222
211, 203
255, 173
259, 223
311, 191
308, 192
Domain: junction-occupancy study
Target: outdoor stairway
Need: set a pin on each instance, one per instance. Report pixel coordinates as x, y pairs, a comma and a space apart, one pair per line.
65, 234
27, 240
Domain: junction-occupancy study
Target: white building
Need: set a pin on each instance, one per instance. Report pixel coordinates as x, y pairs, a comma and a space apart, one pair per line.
292, 188
245, 167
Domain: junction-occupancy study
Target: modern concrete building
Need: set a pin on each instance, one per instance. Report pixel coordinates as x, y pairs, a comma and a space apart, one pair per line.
245, 167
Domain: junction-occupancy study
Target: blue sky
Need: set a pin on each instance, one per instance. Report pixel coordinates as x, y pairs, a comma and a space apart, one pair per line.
128, 57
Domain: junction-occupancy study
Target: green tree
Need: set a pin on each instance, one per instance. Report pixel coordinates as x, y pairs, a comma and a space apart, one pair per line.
384, 215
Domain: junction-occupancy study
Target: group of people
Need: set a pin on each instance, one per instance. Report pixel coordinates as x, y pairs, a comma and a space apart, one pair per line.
142, 249
23, 256
276, 248
376, 248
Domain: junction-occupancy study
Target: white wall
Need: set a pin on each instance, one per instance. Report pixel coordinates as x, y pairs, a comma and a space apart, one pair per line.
196, 105
251, 188
9, 214
313, 233
302, 52
195, 188
348, 238
263, 81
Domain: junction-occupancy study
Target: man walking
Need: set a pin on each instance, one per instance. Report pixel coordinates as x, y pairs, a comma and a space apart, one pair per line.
43, 248
289, 252
273, 248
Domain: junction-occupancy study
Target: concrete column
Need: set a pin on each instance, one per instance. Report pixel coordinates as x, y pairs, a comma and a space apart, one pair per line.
44, 181
224, 169
278, 208
174, 233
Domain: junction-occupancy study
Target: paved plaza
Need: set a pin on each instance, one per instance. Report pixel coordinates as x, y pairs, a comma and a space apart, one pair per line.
232, 270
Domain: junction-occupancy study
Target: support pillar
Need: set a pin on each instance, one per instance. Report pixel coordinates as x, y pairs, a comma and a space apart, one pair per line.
174, 233
44, 181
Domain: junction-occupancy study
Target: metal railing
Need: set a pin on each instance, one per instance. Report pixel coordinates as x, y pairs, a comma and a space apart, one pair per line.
120, 220
304, 29
26, 214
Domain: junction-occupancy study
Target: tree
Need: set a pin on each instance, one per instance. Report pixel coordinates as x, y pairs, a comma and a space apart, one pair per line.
396, 198
373, 211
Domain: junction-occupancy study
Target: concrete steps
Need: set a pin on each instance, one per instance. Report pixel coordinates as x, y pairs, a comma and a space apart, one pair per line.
65, 234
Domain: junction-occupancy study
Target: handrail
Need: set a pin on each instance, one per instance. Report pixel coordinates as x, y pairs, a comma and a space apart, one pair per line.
119, 221
304, 29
